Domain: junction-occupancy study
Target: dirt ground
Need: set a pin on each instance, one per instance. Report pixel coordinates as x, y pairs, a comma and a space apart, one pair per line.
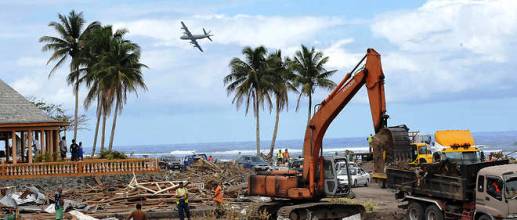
385, 206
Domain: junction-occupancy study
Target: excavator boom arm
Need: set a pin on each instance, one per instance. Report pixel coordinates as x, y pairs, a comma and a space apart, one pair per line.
371, 76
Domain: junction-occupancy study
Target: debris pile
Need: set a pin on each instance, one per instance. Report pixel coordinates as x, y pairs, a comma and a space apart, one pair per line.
118, 198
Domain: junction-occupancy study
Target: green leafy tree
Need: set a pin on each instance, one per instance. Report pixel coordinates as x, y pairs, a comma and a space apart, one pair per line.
310, 73
250, 83
113, 71
282, 77
57, 112
71, 32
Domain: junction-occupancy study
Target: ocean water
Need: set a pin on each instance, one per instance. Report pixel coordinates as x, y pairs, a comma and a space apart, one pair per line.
491, 141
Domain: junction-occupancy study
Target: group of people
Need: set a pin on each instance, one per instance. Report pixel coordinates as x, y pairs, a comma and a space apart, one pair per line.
182, 204
282, 157
75, 149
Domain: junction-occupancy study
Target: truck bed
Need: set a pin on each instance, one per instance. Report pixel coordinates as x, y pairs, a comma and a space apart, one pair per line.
459, 187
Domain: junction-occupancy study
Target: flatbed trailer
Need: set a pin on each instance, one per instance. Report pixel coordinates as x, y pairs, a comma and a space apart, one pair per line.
456, 191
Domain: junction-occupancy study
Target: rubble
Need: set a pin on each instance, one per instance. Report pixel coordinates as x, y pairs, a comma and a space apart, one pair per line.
156, 193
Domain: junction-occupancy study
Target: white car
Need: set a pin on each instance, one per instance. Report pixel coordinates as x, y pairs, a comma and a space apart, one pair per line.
359, 177
341, 165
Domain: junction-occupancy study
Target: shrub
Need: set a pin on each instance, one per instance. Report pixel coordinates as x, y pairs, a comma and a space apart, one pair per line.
111, 155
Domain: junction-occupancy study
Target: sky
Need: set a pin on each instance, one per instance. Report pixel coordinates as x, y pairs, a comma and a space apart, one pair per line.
448, 64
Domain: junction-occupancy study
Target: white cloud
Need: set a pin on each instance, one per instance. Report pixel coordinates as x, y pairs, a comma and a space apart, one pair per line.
243, 30
28, 61
339, 57
53, 90
450, 48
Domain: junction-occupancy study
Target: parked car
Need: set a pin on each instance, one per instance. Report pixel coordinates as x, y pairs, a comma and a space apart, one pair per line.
358, 175
170, 163
296, 164
341, 165
253, 162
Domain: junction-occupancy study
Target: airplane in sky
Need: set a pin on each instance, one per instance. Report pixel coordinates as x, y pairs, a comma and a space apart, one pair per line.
193, 38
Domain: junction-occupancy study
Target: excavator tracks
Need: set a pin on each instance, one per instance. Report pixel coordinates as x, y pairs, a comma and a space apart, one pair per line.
313, 211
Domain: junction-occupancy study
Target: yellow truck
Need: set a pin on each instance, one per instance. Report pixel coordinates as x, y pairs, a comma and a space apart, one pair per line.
457, 145
421, 146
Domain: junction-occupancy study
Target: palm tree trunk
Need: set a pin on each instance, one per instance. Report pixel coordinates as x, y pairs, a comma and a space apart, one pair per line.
310, 109
113, 126
99, 111
103, 134
275, 130
308, 116
257, 123
76, 111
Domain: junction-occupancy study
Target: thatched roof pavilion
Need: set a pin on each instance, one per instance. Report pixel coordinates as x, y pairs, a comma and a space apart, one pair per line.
25, 129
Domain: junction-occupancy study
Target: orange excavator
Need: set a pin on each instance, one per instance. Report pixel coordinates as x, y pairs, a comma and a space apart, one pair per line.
298, 195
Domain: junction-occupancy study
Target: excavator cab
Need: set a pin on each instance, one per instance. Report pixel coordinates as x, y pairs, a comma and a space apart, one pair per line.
331, 184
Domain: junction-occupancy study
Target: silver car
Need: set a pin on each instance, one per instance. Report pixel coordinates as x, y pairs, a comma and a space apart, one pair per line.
359, 177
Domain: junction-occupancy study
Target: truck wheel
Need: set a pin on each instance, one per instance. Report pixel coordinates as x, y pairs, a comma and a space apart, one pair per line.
484, 217
366, 183
432, 212
415, 211
355, 183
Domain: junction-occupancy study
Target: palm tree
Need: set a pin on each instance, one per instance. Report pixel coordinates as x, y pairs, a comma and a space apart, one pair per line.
310, 74
123, 71
282, 84
97, 44
250, 83
113, 70
68, 44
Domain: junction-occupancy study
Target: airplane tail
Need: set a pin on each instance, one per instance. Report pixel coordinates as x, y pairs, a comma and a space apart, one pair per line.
207, 34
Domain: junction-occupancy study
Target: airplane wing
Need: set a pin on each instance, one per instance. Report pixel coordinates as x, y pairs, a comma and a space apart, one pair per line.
187, 32
194, 42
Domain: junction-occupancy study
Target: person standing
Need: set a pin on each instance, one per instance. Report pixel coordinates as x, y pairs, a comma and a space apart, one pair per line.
138, 214
73, 149
80, 151
279, 157
62, 148
10, 214
182, 202
370, 140
218, 200
286, 156
59, 204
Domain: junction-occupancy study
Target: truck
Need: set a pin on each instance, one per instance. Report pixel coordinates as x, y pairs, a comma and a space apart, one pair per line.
476, 191
421, 146
457, 145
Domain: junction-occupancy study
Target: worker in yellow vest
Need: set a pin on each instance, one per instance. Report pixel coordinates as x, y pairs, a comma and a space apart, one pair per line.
279, 157
182, 202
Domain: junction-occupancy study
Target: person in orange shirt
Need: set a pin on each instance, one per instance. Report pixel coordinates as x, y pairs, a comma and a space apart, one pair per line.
218, 200
286, 156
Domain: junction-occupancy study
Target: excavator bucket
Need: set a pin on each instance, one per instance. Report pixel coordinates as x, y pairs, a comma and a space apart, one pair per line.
391, 146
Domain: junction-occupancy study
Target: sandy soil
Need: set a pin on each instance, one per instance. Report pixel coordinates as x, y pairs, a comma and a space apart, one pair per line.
385, 204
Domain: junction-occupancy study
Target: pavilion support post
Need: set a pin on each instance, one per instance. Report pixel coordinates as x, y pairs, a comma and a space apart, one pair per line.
7, 148
22, 146
13, 147
56, 139
30, 146
51, 145
42, 142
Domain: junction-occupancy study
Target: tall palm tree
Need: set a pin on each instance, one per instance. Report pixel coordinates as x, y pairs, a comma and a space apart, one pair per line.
97, 44
68, 44
282, 77
113, 70
123, 71
310, 74
250, 82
